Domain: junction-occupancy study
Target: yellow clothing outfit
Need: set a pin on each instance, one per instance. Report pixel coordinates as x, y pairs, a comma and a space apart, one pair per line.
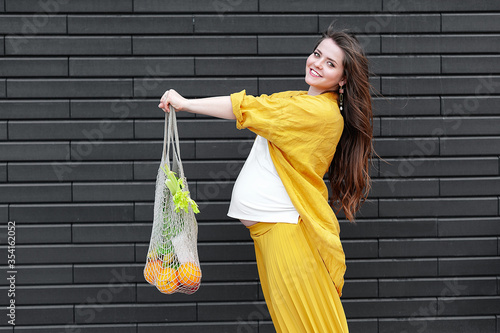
303, 132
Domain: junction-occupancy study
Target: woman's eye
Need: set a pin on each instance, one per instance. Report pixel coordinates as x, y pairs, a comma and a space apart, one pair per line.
316, 54
330, 64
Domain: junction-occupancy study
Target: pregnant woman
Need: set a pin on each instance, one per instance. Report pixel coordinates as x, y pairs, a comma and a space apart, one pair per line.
280, 194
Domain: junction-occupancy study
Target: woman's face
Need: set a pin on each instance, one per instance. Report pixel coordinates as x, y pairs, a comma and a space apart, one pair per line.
324, 68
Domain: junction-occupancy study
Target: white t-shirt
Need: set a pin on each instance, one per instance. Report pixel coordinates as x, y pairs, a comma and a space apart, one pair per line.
259, 194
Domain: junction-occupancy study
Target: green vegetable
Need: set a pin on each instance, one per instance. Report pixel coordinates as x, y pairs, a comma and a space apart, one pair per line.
176, 186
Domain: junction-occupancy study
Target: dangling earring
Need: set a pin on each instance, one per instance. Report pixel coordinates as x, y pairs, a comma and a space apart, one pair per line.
341, 98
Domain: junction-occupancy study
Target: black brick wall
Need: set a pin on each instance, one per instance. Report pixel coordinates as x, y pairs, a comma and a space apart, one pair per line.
80, 139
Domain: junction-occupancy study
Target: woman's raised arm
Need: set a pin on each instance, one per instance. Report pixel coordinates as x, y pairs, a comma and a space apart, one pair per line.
219, 107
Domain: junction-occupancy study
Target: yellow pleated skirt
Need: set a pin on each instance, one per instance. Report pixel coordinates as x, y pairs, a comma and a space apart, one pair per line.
300, 295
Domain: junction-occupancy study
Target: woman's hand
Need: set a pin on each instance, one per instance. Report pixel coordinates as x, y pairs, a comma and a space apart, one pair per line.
172, 97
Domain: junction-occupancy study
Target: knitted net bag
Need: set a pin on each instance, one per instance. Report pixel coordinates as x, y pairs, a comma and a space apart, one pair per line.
172, 263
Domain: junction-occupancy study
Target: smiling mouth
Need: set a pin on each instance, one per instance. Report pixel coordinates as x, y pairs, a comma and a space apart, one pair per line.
314, 73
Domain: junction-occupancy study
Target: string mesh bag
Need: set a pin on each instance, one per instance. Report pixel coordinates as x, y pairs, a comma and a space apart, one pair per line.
172, 263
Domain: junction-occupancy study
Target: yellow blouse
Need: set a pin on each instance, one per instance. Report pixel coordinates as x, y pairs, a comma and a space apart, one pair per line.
303, 132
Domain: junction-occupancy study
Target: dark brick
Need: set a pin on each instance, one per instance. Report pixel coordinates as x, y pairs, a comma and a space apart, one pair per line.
259, 66
122, 328
192, 129
438, 207
355, 249
390, 65
391, 268
469, 186
437, 287
472, 105
431, 6
111, 233
222, 232
395, 188
218, 252
406, 106
360, 289
137, 313
214, 191
68, 45
35, 6
62, 254
113, 192
43, 274
18, 151
43, 234
213, 170
3, 130
16, 67
470, 22
383, 23
223, 292
69, 294
439, 44
206, 327
487, 305
447, 247
54, 213
194, 87
4, 213
124, 150
469, 227
153, 68
193, 45
120, 108
143, 211
448, 126
438, 325
194, 6
389, 228
129, 24
230, 271
484, 64
402, 147
39, 315
94, 131
433, 167
33, 109
225, 311
472, 266
470, 146
436, 85
304, 44
3, 172
108, 273
32, 24
70, 171
363, 325
272, 85
11, 193
3, 88
253, 24
318, 6
388, 307
60, 88
223, 149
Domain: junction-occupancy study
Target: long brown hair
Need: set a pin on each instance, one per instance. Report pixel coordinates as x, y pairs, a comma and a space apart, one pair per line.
349, 171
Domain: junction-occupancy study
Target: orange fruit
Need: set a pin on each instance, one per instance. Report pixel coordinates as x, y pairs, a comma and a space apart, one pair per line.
167, 281
151, 270
189, 274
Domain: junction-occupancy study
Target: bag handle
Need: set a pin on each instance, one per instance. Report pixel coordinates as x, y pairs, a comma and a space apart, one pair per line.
171, 138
